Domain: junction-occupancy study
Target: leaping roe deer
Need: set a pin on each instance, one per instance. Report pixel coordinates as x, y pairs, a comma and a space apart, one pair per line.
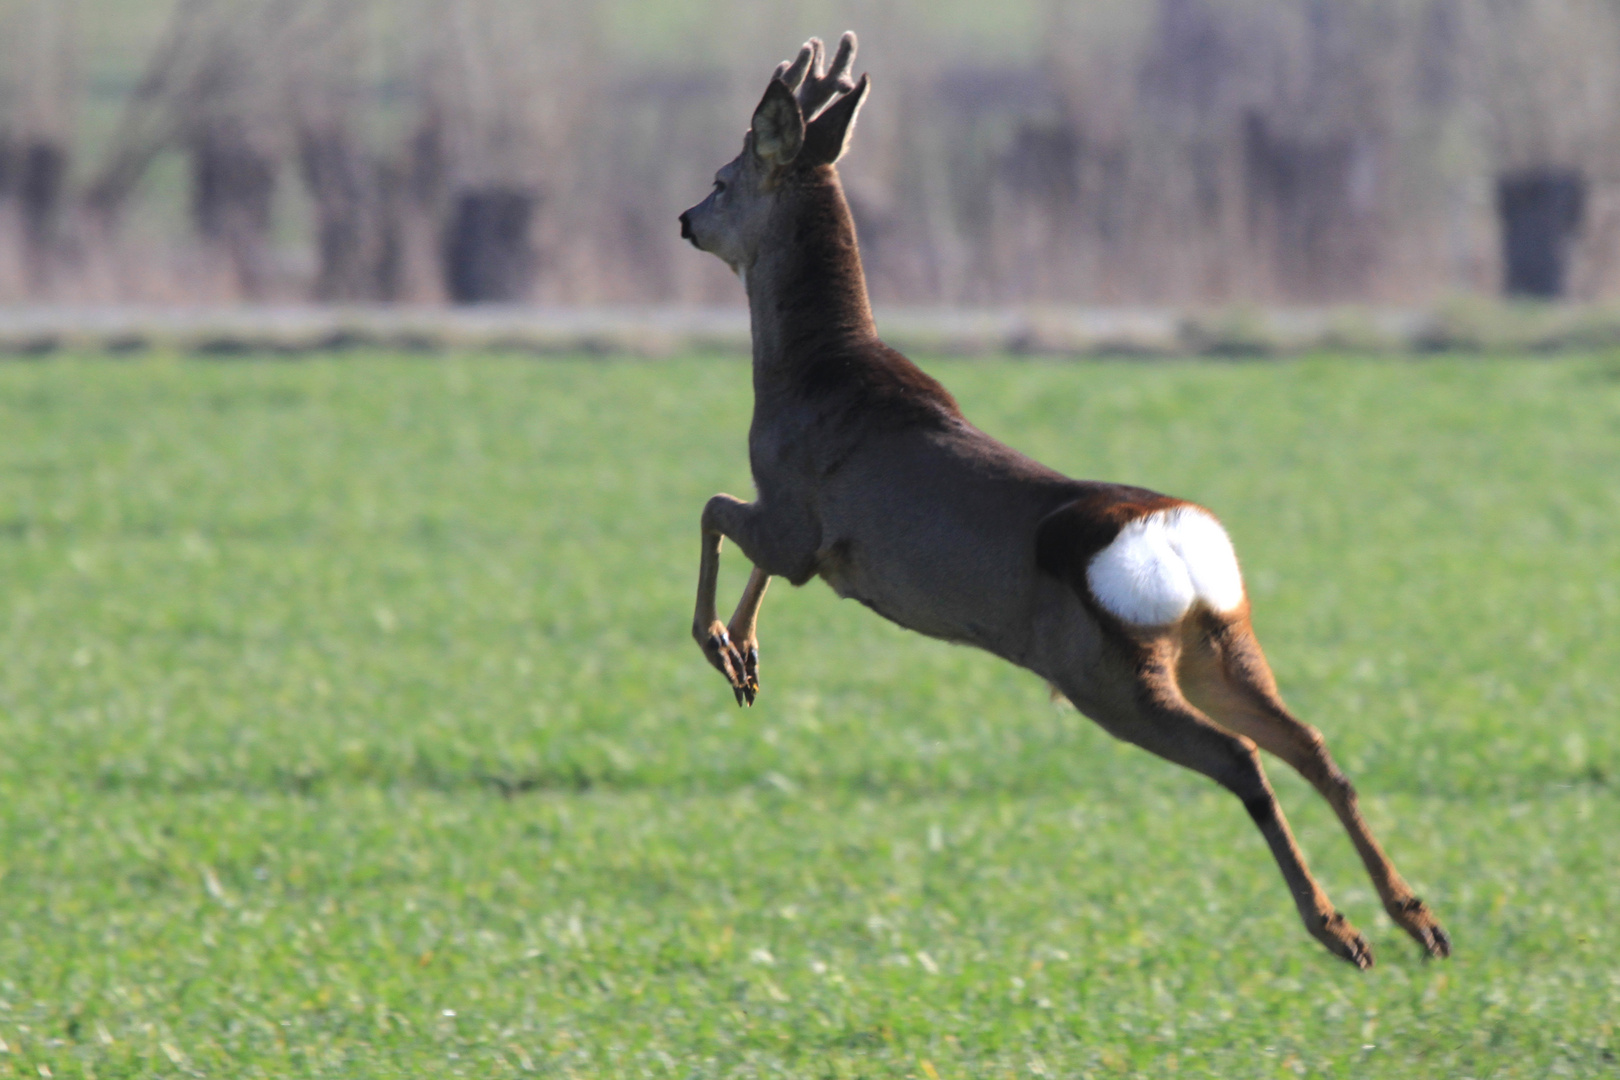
1128, 602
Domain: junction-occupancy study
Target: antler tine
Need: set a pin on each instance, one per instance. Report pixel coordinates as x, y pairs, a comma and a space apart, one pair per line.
843, 58
792, 72
821, 87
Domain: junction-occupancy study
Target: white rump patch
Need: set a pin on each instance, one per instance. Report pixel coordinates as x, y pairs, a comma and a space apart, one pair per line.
1161, 564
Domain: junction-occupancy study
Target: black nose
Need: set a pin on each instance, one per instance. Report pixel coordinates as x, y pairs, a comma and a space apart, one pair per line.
686, 227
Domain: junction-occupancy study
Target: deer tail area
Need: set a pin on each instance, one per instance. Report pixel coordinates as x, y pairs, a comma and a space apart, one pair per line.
1145, 566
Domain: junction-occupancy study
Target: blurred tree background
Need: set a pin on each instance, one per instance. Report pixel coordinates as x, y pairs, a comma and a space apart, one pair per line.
1032, 151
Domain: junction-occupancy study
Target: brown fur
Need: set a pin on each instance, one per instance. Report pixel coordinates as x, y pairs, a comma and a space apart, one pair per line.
844, 369
868, 476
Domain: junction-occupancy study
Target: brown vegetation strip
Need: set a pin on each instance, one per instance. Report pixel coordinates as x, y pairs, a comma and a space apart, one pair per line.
650, 331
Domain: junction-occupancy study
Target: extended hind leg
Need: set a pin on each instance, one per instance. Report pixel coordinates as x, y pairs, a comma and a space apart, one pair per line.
1150, 711
1223, 670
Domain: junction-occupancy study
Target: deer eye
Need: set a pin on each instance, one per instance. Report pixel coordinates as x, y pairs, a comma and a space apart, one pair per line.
719, 186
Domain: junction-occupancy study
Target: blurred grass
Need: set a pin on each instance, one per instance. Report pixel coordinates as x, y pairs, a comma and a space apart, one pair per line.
340, 696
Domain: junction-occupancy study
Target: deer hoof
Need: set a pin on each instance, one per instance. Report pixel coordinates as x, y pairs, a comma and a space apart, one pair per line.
727, 660
1345, 941
750, 671
1416, 919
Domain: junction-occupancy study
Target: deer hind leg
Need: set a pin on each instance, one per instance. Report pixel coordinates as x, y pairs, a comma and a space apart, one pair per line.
1152, 713
1224, 671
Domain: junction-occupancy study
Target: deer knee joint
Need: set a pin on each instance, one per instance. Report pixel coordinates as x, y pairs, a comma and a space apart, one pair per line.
1338, 787
720, 514
1248, 782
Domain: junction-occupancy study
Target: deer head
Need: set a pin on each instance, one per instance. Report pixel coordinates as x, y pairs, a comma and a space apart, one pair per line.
800, 129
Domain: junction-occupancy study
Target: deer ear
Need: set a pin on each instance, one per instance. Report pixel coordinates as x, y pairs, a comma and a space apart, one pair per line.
827, 137
778, 126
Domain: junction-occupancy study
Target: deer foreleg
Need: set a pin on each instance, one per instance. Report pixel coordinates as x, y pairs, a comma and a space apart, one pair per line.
707, 629
744, 630
733, 650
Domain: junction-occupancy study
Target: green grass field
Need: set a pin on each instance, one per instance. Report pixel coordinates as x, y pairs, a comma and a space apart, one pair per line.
349, 726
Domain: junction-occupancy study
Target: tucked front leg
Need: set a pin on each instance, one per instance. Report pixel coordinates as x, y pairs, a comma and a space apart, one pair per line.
743, 630
707, 630
774, 545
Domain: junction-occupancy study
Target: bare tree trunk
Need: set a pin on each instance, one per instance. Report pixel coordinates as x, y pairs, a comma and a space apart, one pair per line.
232, 191
488, 255
347, 236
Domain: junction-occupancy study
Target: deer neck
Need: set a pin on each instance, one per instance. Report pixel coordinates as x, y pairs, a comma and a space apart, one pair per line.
806, 290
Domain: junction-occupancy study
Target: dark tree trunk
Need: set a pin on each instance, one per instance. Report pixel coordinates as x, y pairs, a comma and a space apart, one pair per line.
488, 255
232, 193
336, 175
1541, 211
33, 172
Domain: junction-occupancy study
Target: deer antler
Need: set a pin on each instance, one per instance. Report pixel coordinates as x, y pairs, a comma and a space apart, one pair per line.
817, 87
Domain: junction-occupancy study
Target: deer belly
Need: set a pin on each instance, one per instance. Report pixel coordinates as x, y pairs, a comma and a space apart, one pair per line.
940, 597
